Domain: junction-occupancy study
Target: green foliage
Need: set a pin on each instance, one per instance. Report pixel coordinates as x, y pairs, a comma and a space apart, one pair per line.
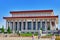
48, 28
2, 29
8, 30
26, 34
49, 35
18, 33
56, 34
41, 29
56, 28
36, 34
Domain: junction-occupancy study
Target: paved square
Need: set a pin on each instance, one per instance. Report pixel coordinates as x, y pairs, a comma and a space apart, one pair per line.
22, 38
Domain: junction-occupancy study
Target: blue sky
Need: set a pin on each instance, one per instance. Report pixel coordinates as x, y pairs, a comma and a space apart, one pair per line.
12, 5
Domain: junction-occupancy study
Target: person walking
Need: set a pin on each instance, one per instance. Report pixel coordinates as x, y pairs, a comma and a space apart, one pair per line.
53, 37
39, 35
32, 36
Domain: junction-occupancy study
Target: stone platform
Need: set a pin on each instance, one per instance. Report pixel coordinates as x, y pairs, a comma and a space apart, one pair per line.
22, 38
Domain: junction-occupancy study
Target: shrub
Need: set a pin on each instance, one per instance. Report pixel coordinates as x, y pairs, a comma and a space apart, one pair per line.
26, 34
49, 34
8, 30
41, 29
48, 28
36, 34
56, 28
2, 29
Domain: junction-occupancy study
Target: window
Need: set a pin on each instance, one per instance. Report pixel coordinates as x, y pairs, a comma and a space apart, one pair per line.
16, 26
20, 26
38, 23
24, 25
48, 25
34, 25
29, 26
43, 26
12, 25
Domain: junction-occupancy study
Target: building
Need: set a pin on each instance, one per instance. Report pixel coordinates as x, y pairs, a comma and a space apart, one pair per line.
32, 20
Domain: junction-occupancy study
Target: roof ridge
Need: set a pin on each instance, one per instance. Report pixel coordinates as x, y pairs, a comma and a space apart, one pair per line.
31, 11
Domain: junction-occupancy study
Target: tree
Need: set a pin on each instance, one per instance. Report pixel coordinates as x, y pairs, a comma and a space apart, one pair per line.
41, 28
56, 28
2, 29
48, 28
8, 30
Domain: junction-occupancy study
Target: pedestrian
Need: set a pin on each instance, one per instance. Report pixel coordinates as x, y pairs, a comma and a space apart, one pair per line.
39, 36
33, 37
53, 37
